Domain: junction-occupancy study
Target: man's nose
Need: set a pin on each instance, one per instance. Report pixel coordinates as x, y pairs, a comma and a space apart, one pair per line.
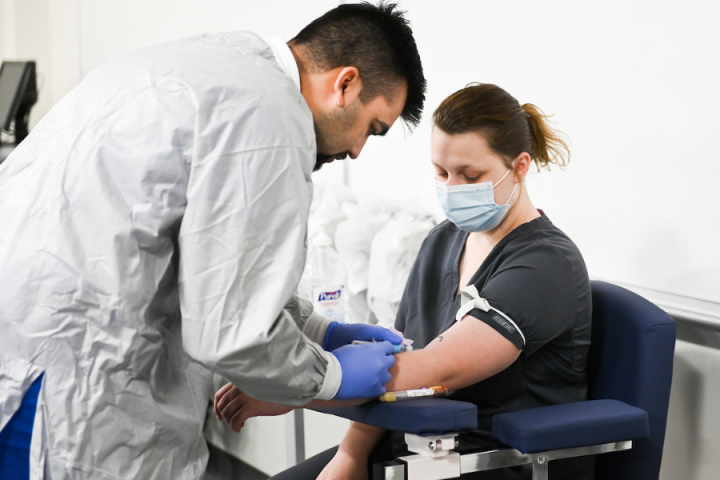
355, 151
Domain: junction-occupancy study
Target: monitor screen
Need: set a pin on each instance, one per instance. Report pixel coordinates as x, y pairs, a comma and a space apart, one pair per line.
17, 93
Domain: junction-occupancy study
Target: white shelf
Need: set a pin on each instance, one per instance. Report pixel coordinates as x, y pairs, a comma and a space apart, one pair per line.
699, 310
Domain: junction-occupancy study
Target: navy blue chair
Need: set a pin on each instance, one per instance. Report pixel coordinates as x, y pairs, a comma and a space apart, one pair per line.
632, 361
629, 374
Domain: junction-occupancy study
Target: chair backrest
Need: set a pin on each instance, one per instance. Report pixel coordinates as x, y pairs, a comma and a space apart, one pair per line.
631, 360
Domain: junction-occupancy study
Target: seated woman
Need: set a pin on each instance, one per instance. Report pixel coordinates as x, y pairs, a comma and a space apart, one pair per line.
498, 299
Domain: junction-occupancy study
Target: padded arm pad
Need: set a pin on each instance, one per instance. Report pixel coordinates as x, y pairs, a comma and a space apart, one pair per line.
592, 422
427, 416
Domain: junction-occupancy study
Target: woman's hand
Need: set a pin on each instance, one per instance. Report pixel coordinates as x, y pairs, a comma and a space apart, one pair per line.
345, 466
235, 407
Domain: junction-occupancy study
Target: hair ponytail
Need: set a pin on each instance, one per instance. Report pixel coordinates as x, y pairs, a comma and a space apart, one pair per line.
508, 128
549, 148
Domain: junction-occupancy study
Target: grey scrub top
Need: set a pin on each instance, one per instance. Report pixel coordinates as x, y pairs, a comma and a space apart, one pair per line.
537, 283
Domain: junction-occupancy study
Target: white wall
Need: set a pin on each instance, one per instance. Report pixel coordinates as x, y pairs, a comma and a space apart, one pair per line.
632, 84
110, 28
29, 21
7, 30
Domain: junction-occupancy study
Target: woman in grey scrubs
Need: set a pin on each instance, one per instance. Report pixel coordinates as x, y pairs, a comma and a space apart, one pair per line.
498, 299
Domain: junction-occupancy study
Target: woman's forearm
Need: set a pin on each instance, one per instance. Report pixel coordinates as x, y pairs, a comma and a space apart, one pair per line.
419, 369
469, 352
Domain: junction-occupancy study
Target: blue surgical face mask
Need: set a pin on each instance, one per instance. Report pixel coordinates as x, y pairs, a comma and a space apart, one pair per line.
472, 207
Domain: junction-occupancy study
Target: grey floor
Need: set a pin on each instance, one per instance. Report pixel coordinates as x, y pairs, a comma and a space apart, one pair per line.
222, 466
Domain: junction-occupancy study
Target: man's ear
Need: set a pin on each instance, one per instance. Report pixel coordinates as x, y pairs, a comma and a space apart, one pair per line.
347, 86
522, 165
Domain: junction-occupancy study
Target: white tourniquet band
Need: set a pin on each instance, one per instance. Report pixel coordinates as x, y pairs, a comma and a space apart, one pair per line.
470, 299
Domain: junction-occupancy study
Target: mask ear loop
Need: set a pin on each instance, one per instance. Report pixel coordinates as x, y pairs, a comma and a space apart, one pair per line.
511, 194
503, 178
514, 186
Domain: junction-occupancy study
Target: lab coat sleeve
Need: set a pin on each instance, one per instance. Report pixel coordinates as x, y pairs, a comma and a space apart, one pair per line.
310, 322
242, 251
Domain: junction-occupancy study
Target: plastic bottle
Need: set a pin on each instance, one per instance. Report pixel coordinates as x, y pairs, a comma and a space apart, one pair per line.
325, 280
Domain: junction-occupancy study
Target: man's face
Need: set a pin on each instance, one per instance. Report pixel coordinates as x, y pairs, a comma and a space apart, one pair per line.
343, 131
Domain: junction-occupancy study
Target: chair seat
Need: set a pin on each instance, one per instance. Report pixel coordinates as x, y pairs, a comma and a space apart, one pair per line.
592, 422
428, 416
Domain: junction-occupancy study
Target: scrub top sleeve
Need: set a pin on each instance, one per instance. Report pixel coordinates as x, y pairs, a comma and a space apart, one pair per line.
242, 251
532, 296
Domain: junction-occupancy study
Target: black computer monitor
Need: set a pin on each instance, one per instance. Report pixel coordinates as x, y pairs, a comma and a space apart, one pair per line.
18, 93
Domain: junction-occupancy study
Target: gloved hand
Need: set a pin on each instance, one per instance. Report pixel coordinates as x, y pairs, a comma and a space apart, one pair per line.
339, 334
365, 369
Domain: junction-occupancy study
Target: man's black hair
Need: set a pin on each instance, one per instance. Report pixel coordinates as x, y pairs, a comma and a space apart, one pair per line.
378, 41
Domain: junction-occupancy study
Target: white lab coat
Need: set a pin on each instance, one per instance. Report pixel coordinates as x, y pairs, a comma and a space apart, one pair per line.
152, 230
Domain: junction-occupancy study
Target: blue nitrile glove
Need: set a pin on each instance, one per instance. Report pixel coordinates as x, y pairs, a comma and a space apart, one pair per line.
339, 334
365, 369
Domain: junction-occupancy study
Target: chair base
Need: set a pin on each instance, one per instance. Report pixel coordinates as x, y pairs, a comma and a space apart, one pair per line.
492, 459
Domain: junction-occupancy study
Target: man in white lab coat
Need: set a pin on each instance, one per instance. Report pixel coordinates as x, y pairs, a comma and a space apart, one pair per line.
153, 230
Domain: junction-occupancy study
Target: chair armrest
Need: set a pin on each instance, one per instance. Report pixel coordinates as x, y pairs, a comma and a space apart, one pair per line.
592, 422
428, 416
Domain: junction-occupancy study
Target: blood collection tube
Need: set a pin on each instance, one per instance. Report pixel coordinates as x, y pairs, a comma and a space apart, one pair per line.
417, 393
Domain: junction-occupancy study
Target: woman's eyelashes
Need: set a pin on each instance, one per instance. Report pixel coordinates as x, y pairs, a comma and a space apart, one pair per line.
468, 177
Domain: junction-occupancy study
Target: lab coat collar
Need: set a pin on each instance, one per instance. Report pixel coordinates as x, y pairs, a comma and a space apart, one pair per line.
285, 58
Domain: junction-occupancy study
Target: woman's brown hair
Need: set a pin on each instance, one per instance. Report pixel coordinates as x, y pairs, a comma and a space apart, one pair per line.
509, 128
